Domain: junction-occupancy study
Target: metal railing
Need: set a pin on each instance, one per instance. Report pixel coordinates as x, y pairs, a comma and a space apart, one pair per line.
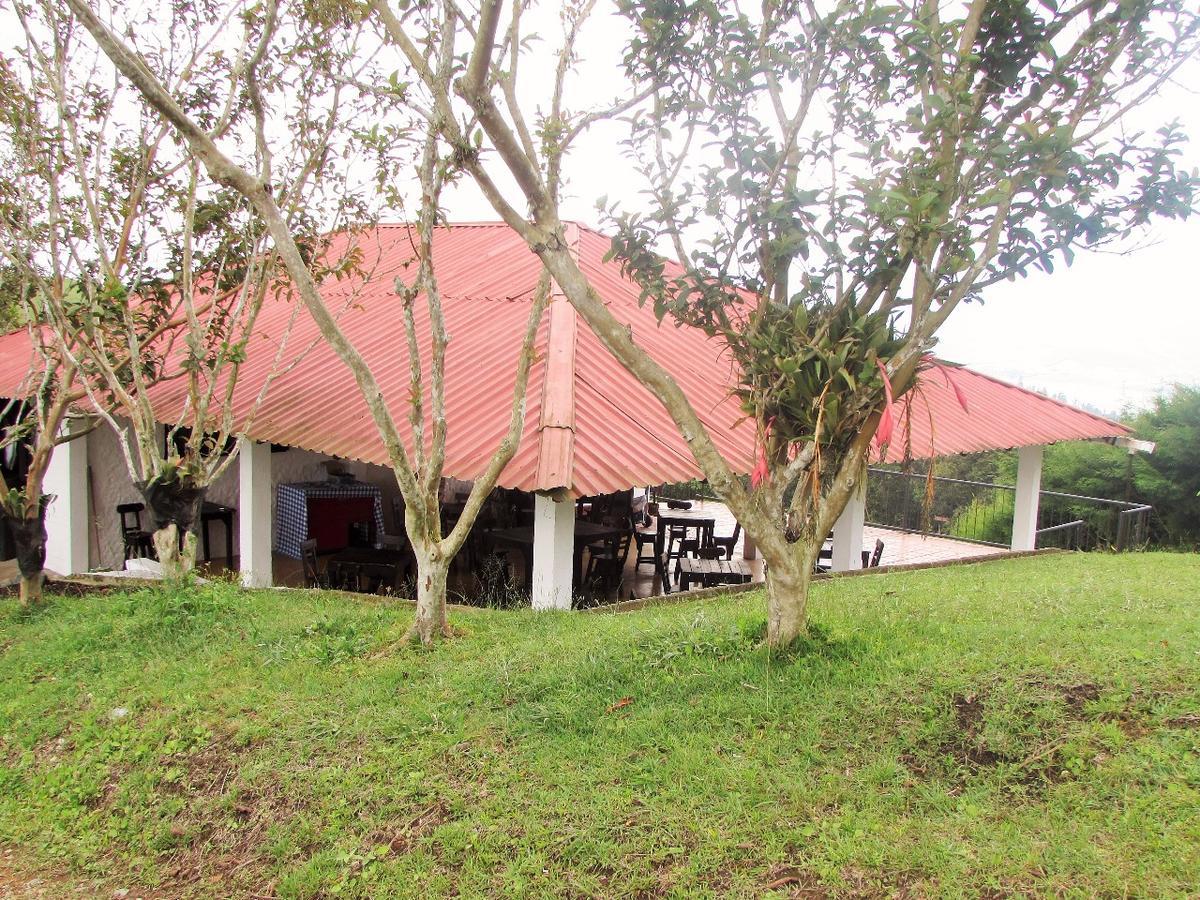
982, 512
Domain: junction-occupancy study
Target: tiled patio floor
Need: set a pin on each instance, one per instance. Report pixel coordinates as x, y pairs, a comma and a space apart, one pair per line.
904, 548
900, 548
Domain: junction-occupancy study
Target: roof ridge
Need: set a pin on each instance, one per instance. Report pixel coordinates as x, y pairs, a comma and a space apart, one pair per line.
556, 417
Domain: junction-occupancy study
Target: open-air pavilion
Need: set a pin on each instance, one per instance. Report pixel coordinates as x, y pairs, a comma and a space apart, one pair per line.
590, 428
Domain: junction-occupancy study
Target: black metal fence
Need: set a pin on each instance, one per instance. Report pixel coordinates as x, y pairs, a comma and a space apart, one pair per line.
981, 512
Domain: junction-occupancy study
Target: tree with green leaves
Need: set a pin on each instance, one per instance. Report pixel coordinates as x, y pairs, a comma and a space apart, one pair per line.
11, 305
41, 417
1169, 478
135, 271
371, 121
827, 183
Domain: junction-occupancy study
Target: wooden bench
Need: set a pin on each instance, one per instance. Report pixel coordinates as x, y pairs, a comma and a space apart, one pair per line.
711, 572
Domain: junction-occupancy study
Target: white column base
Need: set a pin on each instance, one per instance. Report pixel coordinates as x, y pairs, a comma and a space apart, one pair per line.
553, 551
1025, 504
67, 514
254, 513
848, 532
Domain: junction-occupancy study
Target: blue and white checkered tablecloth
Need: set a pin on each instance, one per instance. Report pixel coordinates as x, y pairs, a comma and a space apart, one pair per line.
291, 509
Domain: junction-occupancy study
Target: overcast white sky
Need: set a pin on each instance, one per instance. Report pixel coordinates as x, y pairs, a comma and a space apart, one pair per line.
1111, 331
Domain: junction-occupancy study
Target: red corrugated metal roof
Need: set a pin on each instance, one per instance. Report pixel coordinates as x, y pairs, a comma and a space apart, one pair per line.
589, 425
16, 360
998, 416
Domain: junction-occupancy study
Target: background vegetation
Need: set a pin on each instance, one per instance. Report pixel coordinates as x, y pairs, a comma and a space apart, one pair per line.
1168, 479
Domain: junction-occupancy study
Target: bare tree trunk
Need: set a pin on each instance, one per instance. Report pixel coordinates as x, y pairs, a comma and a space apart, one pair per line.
176, 561
31, 588
433, 569
788, 580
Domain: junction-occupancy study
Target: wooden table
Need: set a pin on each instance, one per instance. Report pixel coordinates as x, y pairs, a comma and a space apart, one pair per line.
585, 533
354, 561
711, 572
215, 512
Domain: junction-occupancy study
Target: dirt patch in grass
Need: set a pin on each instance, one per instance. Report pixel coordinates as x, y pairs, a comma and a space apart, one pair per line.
1077, 696
74, 588
796, 882
964, 750
402, 840
962, 744
218, 837
22, 881
793, 881
965, 743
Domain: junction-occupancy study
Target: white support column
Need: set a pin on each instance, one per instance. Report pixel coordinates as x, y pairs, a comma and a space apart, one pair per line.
1025, 505
67, 514
848, 532
553, 551
254, 513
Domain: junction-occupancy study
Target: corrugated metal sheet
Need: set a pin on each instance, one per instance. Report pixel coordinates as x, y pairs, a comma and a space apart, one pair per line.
17, 357
931, 421
600, 431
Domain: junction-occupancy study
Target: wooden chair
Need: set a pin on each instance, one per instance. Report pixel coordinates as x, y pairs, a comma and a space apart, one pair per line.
606, 563
138, 543
871, 560
644, 537
683, 540
727, 542
313, 576
378, 578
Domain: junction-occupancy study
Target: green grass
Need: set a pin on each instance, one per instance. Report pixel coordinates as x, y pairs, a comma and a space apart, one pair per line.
1023, 726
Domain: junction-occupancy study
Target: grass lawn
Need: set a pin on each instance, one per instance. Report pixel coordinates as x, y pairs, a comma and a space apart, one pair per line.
1031, 725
